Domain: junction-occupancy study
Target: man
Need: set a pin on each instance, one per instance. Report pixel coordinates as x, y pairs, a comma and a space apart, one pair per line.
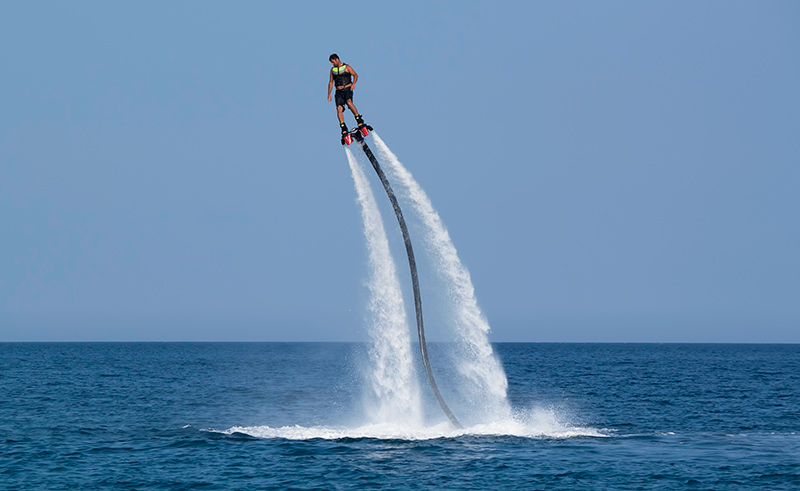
344, 78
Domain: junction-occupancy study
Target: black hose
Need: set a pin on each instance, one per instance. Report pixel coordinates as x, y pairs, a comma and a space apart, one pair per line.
414, 281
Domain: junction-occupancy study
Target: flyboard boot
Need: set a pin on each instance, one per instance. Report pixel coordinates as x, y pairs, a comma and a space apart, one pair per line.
363, 127
347, 138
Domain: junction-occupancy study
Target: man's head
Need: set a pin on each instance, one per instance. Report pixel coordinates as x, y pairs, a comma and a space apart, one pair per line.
334, 59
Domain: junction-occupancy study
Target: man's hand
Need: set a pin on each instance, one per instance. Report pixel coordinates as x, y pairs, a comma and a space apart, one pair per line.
329, 98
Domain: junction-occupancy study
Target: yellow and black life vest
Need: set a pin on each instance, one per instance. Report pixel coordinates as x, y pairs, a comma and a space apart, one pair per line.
341, 76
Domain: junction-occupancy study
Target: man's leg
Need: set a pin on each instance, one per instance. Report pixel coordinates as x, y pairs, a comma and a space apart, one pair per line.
352, 107
340, 113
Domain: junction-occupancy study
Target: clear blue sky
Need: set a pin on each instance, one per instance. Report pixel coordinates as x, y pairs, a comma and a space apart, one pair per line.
609, 171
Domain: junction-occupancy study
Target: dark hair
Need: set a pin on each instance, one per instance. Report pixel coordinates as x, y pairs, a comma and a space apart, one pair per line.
333, 57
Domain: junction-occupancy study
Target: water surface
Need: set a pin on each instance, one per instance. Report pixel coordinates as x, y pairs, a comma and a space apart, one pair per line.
292, 416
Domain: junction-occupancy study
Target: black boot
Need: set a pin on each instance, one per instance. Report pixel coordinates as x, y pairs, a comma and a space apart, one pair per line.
343, 127
360, 121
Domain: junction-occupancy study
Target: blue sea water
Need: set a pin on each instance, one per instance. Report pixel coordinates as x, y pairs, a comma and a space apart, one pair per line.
254, 416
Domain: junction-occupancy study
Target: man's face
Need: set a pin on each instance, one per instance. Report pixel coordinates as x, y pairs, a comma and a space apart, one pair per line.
336, 62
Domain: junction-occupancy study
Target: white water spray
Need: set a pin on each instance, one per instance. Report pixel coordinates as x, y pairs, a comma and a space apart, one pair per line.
393, 380
397, 412
536, 424
488, 383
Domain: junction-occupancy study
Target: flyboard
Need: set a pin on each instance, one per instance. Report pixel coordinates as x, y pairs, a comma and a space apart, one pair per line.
357, 134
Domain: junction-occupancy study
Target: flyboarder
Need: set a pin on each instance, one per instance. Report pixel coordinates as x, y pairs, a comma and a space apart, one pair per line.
344, 78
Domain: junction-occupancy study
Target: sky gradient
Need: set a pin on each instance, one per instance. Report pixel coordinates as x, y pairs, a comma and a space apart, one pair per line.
609, 171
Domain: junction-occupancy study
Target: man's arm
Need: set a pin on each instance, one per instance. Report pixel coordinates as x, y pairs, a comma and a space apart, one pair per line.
352, 72
330, 84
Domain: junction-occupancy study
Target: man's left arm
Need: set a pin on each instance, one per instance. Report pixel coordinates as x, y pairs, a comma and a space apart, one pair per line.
355, 76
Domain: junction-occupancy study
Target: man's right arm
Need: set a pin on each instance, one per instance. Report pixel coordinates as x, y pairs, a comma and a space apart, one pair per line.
330, 85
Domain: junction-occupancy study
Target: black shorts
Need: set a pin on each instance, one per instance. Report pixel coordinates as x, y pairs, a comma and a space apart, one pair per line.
342, 96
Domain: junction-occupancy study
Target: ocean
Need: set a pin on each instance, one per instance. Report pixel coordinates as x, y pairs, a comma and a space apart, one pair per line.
256, 416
